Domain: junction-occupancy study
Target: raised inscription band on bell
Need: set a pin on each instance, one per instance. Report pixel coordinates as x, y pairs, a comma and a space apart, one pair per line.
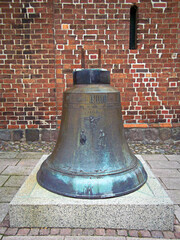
100, 98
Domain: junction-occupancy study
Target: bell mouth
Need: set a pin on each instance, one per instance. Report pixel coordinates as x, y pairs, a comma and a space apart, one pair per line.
91, 76
92, 187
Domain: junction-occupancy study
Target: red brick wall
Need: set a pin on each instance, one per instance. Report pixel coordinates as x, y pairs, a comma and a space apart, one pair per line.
27, 58
41, 43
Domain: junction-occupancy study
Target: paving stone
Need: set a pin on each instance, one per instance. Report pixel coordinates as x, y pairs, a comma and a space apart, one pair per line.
2, 230
8, 154
144, 233
100, 232
11, 232
17, 170
34, 232
171, 183
173, 173
42, 192
177, 212
77, 232
65, 231
177, 228
55, 231
9, 161
111, 232
33, 238
168, 234
156, 234
88, 232
122, 233
30, 155
28, 162
174, 195
23, 231
15, 181
7, 193
177, 235
4, 208
133, 233
176, 222
2, 167
173, 157
163, 164
3, 179
154, 157
5, 223
93, 238
44, 231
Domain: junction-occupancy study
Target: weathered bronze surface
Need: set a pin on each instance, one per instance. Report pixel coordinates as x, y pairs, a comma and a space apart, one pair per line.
91, 158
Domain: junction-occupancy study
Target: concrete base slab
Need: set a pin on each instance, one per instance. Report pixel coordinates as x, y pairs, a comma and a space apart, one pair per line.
147, 208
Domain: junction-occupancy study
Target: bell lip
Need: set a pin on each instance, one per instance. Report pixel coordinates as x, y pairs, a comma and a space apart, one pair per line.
113, 193
95, 197
93, 174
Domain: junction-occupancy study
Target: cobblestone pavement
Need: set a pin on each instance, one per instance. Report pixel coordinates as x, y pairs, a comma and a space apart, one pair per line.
137, 148
15, 166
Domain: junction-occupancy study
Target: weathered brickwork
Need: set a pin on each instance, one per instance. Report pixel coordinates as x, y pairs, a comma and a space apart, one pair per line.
41, 42
27, 65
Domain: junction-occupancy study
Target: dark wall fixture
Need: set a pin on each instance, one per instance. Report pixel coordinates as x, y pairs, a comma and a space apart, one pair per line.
133, 27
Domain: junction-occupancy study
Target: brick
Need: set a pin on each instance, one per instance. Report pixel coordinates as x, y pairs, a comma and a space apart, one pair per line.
23, 231
110, 232
44, 231
65, 231
160, 5
77, 232
177, 235
55, 231
122, 233
11, 232
133, 233
100, 232
88, 232
168, 235
157, 234
34, 232
144, 233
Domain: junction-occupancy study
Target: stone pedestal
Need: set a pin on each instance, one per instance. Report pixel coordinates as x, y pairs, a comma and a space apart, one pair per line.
147, 208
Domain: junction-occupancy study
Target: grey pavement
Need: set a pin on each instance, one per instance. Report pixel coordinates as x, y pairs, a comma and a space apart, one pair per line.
15, 167
73, 238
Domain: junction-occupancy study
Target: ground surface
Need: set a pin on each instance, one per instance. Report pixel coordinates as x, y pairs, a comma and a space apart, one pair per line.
17, 161
138, 148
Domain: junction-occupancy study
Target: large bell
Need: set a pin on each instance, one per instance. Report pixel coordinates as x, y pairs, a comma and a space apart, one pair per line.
91, 158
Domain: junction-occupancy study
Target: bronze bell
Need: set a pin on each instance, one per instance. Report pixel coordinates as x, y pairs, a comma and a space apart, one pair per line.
91, 158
